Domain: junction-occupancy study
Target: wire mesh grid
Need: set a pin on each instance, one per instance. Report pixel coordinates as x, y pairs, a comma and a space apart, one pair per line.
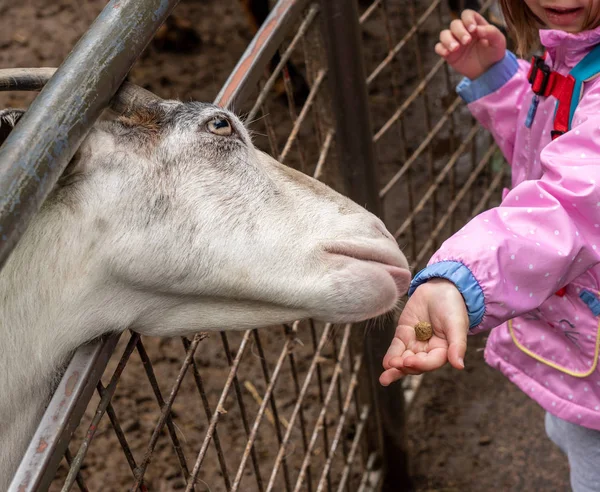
437, 166
272, 410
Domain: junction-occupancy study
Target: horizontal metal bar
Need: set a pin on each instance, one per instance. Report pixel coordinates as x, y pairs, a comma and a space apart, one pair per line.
37, 151
261, 49
62, 416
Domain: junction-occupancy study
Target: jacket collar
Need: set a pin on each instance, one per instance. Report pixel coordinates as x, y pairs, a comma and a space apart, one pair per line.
566, 48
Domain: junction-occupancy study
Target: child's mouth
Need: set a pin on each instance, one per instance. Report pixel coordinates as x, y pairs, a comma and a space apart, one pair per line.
563, 16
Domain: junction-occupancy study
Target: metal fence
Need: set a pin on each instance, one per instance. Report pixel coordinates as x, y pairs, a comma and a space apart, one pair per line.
352, 96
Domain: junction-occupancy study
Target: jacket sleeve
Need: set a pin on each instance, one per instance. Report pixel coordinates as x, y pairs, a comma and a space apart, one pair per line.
496, 97
510, 259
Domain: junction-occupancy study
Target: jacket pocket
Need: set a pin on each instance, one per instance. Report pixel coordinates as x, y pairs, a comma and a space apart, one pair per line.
563, 333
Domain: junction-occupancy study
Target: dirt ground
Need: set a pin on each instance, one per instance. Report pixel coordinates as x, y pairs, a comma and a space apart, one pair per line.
468, 431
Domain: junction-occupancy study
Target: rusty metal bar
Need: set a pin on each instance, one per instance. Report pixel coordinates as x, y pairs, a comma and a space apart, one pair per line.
319, 425
263, 46
161, 403
219, 410
274, 410
362, 422
294, 370
114, 421
104, 401
37, 151
341, 421
306, 23
80, 483
208, 413
165, 412
243, 412
260, 414
51, 439
297, 407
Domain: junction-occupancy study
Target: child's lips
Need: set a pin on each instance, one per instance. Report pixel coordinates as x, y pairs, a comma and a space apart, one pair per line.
563, 16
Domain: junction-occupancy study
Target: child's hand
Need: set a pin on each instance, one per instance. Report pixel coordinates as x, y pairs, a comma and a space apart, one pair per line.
440, 303
471, 45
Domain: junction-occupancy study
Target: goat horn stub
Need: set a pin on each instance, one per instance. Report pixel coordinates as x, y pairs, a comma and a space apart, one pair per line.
127, 97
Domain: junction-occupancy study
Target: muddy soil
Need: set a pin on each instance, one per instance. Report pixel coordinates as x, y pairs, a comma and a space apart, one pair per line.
467, 431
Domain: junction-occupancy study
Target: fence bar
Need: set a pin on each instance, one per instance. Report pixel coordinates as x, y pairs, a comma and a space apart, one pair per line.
263, 46
39, 148
341, 31
62, 416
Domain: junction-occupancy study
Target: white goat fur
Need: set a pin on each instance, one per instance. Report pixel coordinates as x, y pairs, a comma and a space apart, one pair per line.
164, 227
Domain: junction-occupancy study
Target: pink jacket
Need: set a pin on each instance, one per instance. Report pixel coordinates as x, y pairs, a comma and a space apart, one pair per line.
510, 261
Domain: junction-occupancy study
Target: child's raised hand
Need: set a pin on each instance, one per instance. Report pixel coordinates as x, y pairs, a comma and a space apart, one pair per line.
440, 303
471, 45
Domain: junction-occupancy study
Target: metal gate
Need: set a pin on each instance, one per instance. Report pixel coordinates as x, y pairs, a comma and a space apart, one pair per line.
352, 95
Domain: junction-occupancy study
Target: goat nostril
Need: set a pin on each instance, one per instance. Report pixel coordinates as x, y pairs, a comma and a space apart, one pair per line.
220, 126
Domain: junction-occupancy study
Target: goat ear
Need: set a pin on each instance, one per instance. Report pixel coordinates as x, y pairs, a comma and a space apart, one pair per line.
8, 119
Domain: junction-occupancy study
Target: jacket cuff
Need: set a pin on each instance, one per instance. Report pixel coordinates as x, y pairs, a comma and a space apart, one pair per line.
489, 81
465, 282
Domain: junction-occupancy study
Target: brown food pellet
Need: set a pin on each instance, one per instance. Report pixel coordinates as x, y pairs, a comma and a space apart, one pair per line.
423, 331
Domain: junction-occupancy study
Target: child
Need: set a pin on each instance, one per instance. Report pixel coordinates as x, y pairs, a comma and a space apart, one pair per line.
528, 268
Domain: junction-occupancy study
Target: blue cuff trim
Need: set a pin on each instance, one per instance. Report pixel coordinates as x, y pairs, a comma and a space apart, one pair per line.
465, 282
591, 300
489, 81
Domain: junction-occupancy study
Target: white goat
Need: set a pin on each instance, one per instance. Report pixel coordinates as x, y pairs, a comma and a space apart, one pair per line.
169, 221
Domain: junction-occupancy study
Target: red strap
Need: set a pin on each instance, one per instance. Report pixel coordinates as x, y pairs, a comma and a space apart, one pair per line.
545, 82
561, 292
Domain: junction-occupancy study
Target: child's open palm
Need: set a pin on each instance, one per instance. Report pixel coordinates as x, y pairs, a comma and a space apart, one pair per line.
440, 303
471, 45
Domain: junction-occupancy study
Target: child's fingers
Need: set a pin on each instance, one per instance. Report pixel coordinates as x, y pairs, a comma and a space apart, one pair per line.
448, 40
389, 376
456, 335
396, 349
472, 19
426, 361
459, 31
441, 51
491, 34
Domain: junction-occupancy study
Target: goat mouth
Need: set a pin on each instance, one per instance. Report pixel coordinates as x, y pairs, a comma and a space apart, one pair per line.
368, 253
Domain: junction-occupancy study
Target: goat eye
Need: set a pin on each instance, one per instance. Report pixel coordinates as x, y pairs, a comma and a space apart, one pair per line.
220, 126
